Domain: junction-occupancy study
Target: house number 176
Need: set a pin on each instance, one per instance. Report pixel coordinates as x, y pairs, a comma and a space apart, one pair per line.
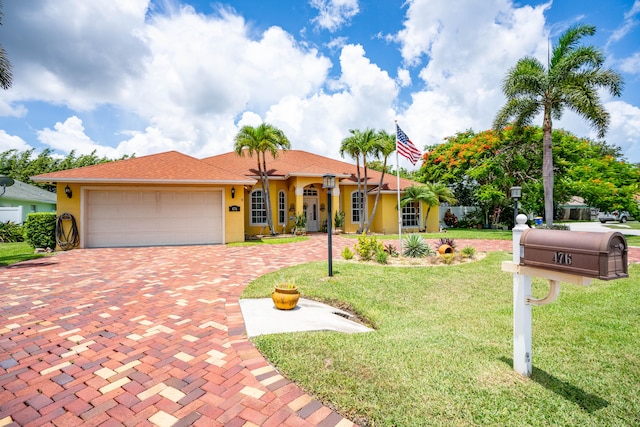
561, 258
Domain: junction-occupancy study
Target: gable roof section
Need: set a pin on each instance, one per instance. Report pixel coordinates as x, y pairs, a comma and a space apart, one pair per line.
301, 163
28, 193
170, 167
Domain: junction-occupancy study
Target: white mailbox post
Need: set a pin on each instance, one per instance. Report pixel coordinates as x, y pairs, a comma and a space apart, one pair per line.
521, 308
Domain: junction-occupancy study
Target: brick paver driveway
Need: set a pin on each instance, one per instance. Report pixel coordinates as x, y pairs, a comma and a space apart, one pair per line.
144, 336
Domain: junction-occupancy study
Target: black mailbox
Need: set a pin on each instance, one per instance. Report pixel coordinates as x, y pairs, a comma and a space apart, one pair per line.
589, 254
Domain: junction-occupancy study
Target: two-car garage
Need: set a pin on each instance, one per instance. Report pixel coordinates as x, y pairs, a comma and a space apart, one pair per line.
116, 217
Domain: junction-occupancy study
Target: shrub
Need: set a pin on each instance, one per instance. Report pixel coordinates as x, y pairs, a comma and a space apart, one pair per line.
416, 247
367, 246
450, 219
347, 254
382, 256
40, 230
11, 232
448, 258
390, 248
468, 251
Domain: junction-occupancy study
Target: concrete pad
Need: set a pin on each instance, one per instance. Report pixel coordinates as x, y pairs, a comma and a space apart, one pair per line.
261, 317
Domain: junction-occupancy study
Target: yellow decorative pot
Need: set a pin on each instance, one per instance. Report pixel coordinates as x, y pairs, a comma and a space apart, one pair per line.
445, 249
285, 298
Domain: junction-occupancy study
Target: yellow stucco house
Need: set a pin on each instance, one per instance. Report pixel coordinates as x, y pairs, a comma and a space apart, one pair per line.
174, 199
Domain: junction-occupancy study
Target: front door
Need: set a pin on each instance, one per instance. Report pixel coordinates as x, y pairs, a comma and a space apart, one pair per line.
310, 207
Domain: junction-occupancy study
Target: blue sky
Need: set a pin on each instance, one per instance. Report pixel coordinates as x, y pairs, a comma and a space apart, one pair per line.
141, 77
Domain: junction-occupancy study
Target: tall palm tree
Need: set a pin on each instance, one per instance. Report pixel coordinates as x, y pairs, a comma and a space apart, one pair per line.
358, 145
415, 194
384, 146
441, 192
571, 80
261, 140
6, 77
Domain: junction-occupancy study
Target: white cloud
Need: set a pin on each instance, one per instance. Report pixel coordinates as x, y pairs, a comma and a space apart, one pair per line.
630, 21
467, 56
69, 135
78, 54
333, 14
404, 77
12, 142
631, 64
321, 121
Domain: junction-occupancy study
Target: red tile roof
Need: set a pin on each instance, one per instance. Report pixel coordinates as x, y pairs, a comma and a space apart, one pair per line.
301, 163
165, 168
174, 167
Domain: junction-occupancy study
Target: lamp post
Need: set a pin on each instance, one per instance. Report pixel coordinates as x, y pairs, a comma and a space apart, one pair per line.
329, 182
516, 193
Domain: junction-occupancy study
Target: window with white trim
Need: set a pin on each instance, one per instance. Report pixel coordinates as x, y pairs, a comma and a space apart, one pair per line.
258, 208
410, 216
357, 201
282, 207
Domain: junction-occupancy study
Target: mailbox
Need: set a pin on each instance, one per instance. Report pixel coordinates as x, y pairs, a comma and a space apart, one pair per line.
589, 254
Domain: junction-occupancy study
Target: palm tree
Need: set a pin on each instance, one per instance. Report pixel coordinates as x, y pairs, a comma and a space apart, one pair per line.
415, 194
571, 80
441, 192
6, 77
360, 144
385, 144
260, 140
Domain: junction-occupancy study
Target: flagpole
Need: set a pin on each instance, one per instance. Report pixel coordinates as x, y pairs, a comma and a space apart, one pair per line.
398, 185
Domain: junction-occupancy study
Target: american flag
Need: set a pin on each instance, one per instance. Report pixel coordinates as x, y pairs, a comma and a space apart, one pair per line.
405, 147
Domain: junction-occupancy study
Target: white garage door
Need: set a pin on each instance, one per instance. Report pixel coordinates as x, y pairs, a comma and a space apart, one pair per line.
153, 217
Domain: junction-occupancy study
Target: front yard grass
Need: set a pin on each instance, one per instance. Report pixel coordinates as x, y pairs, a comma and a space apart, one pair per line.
442, 351
10, 253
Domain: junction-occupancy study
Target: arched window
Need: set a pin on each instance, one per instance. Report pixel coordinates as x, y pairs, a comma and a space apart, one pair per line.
258, 208
282, 208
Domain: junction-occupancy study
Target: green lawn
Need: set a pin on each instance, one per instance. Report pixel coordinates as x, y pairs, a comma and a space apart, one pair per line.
10, 253
442, 351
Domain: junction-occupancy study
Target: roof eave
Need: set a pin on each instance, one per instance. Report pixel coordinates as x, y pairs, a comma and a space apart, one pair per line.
147, 181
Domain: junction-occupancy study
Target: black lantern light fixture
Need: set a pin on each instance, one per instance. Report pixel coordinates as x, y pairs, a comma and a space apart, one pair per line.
516, 194
329, 182
67, 191
233, 192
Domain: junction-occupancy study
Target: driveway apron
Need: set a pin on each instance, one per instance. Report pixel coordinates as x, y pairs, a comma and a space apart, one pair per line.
148, 336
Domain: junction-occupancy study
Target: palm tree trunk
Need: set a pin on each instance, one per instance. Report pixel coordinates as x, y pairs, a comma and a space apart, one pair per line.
547, 166
375, 203
364, 220
267, 195
359, 192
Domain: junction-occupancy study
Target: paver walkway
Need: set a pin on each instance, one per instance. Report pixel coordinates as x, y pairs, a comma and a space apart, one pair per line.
147, 336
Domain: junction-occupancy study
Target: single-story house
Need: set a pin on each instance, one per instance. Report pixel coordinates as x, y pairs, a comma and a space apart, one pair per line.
175, 199
21, 199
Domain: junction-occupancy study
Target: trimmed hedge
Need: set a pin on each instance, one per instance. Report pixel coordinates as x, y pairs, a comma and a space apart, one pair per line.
40, 230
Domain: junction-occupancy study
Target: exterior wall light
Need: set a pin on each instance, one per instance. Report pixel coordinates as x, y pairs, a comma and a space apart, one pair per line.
67, 191
233, 192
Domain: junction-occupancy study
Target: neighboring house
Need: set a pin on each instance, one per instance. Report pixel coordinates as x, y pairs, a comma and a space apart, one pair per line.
174, 199
21, 199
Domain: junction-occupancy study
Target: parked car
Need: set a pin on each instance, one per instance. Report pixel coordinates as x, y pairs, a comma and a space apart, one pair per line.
621, 216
